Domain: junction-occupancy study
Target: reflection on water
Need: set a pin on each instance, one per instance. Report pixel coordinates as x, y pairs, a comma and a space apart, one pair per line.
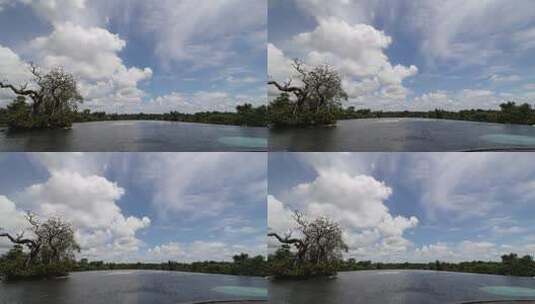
157, 136
510, 291
140, 287
403, 134
405, 286
509, 139
242, 291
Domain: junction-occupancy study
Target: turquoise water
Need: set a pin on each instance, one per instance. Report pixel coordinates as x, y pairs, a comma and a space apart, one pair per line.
245, 142
509, 139
404, 135
510, 291
134, 136
403, 286
242, 291
138, 286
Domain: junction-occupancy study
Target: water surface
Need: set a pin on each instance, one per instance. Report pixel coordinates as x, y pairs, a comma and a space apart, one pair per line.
140, 287
404, 134
156, 136
414, 287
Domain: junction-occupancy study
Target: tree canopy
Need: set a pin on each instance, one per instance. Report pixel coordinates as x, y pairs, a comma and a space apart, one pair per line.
51, 249
318, 248
53, 97
242, 264
316, 97
509, 113
510, 264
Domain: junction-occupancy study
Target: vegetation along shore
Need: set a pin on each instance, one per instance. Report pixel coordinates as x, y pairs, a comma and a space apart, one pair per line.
319, 248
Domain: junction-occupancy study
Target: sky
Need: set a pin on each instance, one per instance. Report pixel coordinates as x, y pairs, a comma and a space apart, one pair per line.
151, 207
411, 54
416, 207
138, 55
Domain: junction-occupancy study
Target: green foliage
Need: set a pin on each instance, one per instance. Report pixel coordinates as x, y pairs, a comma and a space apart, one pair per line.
281, 262
316, 98
54, 97
283, 265
245, 115
242, 265
245, 265
282, 113
19, 114
509, 113
13, 266
251, 116
12, 263
511, 264
49, 252
317, 252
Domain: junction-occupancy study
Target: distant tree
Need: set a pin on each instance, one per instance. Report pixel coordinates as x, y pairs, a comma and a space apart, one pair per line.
246, 107
251, 116
240, 258
438, 266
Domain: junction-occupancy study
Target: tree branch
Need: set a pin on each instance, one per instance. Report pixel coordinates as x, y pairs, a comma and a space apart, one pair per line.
21, 91
19, 239
286, 240
286, 88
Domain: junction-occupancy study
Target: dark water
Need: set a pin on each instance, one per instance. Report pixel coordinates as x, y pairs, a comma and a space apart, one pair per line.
414, 287
403, 134
138, 287
158, 136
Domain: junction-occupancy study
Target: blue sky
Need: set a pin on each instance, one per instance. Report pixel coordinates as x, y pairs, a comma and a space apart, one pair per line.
148, 207
151, 56
407, 54
411, 206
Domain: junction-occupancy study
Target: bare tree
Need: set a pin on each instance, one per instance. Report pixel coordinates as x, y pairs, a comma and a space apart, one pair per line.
300, 246
320, 242
52, 241
33, 245
58, 240
321, 87
51, 93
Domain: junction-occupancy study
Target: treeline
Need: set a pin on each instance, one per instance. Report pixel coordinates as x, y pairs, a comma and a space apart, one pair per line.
51, 249
318, 251
317, 100
242, 264
51, 100
245, 115
509, 113
511, 264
